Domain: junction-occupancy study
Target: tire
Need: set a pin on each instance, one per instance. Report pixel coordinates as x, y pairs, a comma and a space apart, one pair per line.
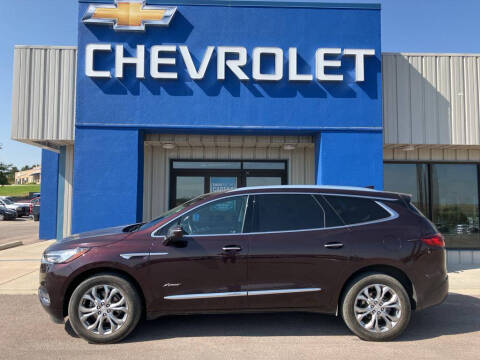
393, 318
2, 217
36, 217
108, 331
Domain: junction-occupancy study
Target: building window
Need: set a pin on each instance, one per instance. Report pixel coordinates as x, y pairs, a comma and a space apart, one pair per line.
446, 193
409, 179
454, 191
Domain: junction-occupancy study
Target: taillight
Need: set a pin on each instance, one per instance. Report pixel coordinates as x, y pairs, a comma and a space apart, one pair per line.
434, 240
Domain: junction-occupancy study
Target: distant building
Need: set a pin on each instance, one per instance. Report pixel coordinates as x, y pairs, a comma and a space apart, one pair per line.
32, 176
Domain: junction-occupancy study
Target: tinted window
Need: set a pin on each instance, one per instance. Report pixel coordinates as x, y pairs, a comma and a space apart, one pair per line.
282, 212
357, 210
331, 218
223, 216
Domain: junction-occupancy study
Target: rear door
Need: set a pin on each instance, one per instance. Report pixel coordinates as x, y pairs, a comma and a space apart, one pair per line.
297, 250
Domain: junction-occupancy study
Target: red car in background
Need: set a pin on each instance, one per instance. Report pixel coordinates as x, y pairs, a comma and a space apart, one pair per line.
35, 208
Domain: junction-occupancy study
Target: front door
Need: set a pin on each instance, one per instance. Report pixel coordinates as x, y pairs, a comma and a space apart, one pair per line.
192, 178
207, 270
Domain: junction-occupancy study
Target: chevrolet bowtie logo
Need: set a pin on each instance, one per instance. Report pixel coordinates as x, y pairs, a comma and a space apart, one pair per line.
131, 15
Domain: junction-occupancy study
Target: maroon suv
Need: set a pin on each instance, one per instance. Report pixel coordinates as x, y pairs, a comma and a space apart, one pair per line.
367, 255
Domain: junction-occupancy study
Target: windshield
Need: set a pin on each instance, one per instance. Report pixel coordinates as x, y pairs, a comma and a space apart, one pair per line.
7, 201
173, 211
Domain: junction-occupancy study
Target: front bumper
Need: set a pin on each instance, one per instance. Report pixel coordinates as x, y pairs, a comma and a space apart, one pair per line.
53, 282
10, 216
56, 315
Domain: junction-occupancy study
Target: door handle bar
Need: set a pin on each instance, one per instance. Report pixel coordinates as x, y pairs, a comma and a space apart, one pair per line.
232, 248
333, 245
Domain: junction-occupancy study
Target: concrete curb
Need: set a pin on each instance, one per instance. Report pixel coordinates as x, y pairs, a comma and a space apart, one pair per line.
10, 245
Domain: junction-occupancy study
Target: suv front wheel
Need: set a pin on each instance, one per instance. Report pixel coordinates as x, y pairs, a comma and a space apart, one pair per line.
104, 308
376, 307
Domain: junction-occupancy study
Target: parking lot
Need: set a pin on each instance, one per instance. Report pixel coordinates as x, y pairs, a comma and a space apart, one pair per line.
21, 229
443, 332
451, 330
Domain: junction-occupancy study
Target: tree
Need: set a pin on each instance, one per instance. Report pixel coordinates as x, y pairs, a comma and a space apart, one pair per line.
11, 174
4, 172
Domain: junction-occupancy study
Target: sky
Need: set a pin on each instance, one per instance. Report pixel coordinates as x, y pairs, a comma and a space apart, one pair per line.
407, 26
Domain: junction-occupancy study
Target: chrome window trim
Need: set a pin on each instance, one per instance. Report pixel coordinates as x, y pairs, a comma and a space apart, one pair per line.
239, 293
376, 199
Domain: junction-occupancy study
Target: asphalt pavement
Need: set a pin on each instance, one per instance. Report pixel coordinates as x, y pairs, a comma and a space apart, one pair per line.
448, 331
22, 229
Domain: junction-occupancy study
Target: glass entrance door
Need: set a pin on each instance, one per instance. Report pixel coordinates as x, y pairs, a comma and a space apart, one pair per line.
192, 178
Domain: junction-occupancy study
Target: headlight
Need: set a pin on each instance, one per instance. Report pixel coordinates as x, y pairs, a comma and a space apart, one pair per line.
63, 256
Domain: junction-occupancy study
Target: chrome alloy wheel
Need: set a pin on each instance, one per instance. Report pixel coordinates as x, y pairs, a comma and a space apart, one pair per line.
377, 308
103, 309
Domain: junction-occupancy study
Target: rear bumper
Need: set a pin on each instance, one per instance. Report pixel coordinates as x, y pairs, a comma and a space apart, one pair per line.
434, 295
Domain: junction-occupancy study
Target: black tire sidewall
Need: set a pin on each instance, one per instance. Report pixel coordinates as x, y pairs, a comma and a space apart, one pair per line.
131, 295
349, 300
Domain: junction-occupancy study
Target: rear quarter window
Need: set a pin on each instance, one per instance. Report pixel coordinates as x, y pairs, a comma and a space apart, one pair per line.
354, 210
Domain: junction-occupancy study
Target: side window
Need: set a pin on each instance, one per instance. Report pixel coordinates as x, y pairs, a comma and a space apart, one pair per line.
355, 210
224, 216
283, 212
331, 218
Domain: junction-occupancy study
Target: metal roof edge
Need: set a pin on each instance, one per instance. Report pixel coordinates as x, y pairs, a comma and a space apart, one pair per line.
259, 3
45, 47
429, 54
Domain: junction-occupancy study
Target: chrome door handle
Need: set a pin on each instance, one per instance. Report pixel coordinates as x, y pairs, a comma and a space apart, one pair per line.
336, 245
232, 248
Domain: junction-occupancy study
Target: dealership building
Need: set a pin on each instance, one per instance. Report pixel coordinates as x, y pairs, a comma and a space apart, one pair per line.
161, 101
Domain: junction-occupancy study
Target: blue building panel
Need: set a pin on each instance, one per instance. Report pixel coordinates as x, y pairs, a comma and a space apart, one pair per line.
49, 194
113, 109
108, 178
232, 105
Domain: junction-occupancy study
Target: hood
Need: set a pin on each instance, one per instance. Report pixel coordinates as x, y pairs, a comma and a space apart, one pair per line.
98, 237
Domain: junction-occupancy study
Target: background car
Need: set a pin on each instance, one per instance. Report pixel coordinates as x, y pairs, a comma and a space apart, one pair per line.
21, 209
7, 214
35, 208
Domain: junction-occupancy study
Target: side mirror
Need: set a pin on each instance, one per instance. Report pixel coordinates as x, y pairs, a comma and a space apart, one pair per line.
175, 233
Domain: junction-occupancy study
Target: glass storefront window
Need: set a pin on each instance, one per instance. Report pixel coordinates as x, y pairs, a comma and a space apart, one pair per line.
409, 179
445, 193
455, 204
188, 187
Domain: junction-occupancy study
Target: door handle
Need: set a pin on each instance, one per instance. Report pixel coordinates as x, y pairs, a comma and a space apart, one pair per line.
333, 245
230, 248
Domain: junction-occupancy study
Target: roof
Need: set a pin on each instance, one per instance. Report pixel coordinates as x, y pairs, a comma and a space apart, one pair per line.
316, 187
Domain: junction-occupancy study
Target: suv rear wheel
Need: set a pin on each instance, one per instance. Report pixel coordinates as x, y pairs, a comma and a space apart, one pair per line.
376, 307
104, 308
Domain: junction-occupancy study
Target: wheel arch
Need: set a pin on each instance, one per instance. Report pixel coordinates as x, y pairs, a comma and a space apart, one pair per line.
390, 270
101, 270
